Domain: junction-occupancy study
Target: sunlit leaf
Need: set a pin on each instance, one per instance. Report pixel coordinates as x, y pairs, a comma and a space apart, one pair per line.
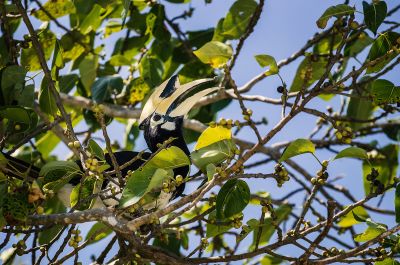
373, 230
56, 8
267, 61
212, 135
349, 220
353, 152
239, 15
143, 180
215, 153
297, 147
215, 53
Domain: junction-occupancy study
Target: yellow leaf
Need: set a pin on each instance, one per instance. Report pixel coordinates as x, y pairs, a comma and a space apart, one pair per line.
213, 135
215, 53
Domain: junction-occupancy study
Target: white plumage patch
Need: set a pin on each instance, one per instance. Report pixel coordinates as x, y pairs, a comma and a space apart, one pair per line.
170, 126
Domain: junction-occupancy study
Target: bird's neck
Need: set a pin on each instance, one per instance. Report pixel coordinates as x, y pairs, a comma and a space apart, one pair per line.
155, 137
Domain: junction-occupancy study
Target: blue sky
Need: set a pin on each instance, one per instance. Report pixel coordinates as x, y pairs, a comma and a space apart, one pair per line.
284, 27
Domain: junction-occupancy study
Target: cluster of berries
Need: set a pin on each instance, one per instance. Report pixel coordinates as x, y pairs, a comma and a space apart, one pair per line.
75, 239
322, 175
344, 134
282, 174
372, 177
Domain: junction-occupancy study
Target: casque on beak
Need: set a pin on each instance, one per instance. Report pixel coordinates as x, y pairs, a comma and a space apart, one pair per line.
171, 99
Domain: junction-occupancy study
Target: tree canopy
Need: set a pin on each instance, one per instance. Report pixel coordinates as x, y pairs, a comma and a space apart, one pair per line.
73, 72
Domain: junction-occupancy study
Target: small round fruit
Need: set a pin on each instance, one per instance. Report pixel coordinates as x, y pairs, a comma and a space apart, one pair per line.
280, 89
77, 144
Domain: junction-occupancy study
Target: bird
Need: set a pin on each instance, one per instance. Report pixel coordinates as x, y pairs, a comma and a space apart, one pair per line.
161, 119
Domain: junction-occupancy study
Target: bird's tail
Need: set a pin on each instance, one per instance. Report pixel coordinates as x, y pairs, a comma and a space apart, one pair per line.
17, 168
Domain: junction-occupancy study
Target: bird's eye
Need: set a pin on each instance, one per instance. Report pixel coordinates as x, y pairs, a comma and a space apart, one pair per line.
156, 117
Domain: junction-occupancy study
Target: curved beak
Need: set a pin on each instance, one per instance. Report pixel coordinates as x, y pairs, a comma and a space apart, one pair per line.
173, 99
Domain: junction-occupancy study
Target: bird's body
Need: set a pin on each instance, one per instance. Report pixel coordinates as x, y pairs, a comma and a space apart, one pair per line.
161, 120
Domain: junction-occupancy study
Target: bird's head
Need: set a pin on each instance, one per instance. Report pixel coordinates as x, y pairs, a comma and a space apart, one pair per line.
162, 115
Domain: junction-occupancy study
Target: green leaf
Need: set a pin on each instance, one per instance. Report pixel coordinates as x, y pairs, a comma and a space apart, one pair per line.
102, 232
51, 206
143, 180
112, 27
354, 152
15, 113
397, 203
155, 24
215, 53
270, 260
392, 131
349, 219
217, 227
56, 8
72, 50
170, 158
88, 71
387, 261
374, 14
373, 230
357, 44
151, 70
267, 61
236, 21
58, 60
268, 229
172, 244
27, 96
29, 58
47, 101
316, 68
386, 163
380, 47
215, 153
120, 60
12, 80
211, 169
67, 82
297, 147
232, 198
95, 149
84, 190
105, 86
93, 20
385, 92
138, 184
360, 106
212, 135
58, 173
334, 11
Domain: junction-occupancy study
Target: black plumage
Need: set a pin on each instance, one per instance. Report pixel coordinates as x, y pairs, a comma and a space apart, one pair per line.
161, 120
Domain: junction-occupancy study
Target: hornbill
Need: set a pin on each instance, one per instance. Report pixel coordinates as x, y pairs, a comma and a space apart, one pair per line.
161, 119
